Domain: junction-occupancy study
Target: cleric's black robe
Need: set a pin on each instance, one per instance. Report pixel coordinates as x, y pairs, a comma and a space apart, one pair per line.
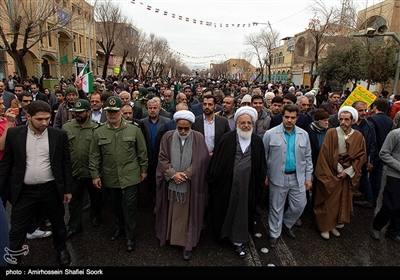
220, 176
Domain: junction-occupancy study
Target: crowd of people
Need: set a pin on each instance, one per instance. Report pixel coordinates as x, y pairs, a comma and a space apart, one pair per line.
210, 152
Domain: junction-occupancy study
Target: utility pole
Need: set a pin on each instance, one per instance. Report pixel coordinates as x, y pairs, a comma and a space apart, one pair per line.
272, 34
90, 35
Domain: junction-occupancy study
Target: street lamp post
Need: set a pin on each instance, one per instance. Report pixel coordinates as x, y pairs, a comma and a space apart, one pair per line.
371, 33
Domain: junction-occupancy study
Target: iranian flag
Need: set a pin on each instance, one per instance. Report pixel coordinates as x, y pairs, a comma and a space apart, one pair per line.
87, 82
83, 72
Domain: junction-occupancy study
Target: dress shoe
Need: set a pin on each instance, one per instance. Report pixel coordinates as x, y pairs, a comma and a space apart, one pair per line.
325, 235
130, 245
392, 236
186, 254
95, 222
241, 251
376, 234
363, 203
63, 257
71, 233
272, 242
290, 232
117, 234
335, 232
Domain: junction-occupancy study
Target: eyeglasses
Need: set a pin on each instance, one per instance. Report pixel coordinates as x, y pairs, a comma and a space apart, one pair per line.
183, 128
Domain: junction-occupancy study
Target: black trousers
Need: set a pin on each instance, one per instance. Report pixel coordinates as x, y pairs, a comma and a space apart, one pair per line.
32, 197
390, 210
76, 203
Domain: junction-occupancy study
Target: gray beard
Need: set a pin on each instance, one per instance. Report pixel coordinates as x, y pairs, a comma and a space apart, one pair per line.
183, 137
244, 134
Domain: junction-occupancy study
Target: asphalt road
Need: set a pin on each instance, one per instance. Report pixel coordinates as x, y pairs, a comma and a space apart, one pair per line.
306, 256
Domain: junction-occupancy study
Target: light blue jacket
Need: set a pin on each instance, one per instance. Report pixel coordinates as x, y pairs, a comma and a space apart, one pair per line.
275, 153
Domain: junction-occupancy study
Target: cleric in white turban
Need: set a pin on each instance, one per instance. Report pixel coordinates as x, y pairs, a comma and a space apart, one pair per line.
351, 110
184, 115
246, 110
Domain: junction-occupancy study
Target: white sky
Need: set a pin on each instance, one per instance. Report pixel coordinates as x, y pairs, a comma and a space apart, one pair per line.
200, 45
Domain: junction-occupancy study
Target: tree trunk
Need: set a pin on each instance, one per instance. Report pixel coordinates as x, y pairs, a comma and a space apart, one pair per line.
19, 62
107, 57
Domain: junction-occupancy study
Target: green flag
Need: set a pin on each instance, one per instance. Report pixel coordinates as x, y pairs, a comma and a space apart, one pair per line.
64, 60
75, 59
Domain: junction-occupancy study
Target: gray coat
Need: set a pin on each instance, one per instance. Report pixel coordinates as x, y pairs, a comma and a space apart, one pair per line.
275, 153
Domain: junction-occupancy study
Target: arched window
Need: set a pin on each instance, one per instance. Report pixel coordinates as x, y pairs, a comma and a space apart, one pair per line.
3, 63
45, 68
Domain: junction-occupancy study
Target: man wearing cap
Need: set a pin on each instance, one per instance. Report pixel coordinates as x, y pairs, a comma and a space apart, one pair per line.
63, 114
338, 172
316, 132
118, 162
80, 132
182, 189
235, 178
289, 173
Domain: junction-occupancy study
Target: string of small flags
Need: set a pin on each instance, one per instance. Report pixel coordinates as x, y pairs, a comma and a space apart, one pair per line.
195, 21
208, 56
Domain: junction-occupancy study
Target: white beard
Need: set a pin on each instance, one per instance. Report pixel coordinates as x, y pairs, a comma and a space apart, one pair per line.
183, 137
244, 134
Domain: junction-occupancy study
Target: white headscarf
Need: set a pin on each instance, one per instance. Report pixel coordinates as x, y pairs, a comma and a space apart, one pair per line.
349, 109
246, 110
184, 115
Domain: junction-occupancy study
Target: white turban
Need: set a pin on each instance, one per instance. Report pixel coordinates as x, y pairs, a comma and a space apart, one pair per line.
349, 109
184, 115
246, 110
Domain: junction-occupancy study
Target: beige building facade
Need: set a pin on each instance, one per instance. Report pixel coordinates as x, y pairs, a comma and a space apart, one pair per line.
53, 56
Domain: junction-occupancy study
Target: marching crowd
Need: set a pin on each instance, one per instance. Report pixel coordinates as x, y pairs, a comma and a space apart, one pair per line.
210, 152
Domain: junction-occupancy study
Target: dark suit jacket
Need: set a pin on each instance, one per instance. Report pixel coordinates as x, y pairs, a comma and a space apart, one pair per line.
221, 127
197, 109
169, 125
303, 121
42, 96
153, 154
137, 112
13, 162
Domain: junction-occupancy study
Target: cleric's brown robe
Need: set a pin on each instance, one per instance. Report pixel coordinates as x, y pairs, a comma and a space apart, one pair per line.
197, 195
334, 196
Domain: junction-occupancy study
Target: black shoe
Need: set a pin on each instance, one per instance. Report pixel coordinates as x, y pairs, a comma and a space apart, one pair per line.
376, 234
130, 245
363, 203
290, 232
86, 207
392, 236
272, 242
117, 233
71, 233
186, 254
63, 257
240, 250
95, 222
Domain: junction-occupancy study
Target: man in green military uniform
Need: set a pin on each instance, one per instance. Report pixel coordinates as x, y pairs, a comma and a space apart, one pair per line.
80, 132
118, 161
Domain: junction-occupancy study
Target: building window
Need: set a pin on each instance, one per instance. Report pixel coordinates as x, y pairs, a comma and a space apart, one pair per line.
74, 43
49, 35
80, 44
64, 4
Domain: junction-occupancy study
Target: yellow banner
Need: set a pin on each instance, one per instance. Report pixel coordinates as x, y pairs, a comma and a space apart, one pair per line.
116, 71
360, 93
